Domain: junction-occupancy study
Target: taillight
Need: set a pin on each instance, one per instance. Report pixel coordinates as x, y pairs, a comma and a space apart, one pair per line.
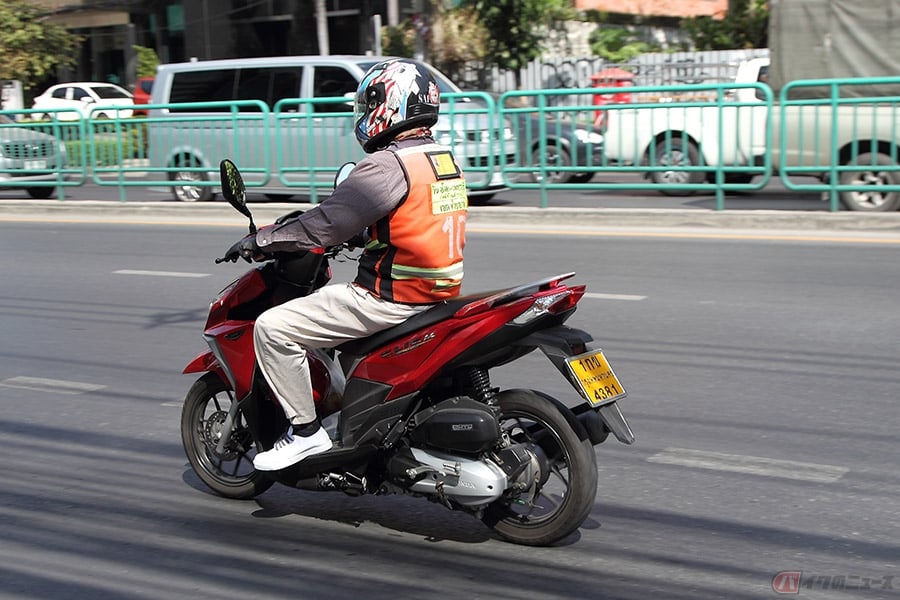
552, 303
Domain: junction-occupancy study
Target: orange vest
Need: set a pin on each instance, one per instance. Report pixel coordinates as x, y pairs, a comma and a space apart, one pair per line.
415, 255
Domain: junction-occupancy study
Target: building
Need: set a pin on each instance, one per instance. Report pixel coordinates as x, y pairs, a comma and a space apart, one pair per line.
181, 30
658, 8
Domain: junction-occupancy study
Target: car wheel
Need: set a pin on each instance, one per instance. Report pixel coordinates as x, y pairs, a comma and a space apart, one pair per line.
186, 188
557, 156
41, 193
872, 177
677, 153
581, 177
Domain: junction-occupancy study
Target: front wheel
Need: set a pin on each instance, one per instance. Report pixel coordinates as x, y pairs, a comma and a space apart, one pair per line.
230, 472
565, 477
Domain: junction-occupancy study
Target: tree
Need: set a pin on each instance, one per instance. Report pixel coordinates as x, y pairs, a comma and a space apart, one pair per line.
31, 48
515, 29
618, 45
745, 26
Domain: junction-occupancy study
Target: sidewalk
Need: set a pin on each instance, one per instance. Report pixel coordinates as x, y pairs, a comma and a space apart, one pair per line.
494, 217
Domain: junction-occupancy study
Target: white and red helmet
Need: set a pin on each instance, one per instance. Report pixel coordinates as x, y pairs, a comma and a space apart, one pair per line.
394, 95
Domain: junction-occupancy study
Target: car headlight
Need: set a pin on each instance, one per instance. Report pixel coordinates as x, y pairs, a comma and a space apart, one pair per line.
588, 137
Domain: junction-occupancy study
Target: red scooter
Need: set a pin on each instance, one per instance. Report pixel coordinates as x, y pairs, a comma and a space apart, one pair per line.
411, 409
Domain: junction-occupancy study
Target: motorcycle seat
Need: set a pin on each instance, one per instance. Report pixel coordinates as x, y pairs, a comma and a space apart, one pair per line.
439, 312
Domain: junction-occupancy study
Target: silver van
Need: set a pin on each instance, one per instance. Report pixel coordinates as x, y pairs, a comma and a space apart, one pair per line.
288, 123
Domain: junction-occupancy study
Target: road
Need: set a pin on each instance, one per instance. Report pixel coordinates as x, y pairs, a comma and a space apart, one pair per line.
762, 379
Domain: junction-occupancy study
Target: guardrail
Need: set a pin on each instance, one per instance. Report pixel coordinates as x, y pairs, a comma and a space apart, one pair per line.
525, 140
695, 144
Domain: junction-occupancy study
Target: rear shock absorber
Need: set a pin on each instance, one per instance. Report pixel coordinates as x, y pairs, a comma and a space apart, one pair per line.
480, 381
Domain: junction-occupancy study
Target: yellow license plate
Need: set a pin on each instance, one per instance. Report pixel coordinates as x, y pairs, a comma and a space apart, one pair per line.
596, 379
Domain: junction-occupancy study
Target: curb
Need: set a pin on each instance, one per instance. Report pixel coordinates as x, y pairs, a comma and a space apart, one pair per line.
496, 216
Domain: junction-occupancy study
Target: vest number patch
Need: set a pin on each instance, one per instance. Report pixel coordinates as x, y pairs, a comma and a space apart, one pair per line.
448, 196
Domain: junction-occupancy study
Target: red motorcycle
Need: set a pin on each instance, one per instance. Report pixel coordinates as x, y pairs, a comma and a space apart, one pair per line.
411, 409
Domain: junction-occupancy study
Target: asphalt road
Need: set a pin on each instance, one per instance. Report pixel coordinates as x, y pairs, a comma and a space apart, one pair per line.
762, 381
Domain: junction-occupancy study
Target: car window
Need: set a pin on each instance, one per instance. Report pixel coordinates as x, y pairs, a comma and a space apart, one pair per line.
109, 91
333, 82
60, 93
269, 84
203, 86
146, 85
79, 93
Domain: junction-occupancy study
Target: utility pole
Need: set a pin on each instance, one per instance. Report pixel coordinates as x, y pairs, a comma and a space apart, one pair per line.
322, 27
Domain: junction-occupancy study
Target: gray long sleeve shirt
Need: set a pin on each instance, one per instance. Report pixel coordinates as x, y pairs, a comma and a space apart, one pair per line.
375, 187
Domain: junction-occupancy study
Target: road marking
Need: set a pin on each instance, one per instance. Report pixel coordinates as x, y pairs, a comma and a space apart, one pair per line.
159, 273
597, 296
58, 386
754, 465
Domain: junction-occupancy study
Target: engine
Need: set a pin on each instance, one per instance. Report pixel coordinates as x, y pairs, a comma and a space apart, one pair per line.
446, 458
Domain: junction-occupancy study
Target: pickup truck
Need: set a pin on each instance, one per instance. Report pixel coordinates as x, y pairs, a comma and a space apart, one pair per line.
671, 139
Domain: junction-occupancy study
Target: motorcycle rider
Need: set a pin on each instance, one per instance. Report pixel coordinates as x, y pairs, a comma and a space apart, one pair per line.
409, 196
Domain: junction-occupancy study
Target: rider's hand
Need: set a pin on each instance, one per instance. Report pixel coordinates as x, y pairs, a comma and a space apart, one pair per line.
246, 248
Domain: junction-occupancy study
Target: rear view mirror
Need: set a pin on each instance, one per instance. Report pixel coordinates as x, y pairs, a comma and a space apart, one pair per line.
234, 190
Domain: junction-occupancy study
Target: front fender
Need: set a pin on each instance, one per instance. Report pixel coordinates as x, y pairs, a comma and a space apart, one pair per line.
205, 361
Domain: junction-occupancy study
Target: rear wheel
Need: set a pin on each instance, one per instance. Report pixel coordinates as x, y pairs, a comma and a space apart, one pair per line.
565, 479
186, 188
41, 193
677, 153
874, 172
230, 472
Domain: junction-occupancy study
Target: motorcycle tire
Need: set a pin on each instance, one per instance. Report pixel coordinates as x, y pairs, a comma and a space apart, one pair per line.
568, 479
231, 473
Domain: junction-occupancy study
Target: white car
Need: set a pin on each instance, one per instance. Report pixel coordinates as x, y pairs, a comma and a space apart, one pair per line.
29, 157
84, 99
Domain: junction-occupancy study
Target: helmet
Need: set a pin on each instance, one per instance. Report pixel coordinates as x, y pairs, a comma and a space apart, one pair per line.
394, 95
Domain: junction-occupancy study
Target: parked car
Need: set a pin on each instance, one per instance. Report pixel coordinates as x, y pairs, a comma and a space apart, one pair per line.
28, 157
311, 99
566, 144
82, 99
142, 90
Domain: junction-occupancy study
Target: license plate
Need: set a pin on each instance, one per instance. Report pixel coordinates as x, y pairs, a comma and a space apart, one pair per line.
596, 379
34, 165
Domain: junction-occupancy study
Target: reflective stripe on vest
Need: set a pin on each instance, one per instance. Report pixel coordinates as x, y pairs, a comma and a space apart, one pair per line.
415, 254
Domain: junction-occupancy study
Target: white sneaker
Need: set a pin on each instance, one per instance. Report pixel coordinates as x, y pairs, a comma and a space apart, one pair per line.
290, 449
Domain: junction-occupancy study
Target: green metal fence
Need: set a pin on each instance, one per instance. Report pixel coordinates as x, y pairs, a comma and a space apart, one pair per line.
708, 138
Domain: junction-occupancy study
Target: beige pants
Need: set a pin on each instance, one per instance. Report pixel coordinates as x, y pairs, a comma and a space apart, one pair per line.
331, 315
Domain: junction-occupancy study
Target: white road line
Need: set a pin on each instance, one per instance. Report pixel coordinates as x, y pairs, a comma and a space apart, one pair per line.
613, 296
159, 273
754, 465
57, 386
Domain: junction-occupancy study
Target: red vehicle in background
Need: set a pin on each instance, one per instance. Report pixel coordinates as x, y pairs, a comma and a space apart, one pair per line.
142, 89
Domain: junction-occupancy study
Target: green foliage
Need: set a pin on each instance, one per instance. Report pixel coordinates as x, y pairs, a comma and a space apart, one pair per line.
32, 49
457, 38
514, 28
618, 45
398, 40
745, 26
147, 61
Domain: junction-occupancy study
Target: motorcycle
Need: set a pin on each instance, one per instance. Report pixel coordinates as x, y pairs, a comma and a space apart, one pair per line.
411, 409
